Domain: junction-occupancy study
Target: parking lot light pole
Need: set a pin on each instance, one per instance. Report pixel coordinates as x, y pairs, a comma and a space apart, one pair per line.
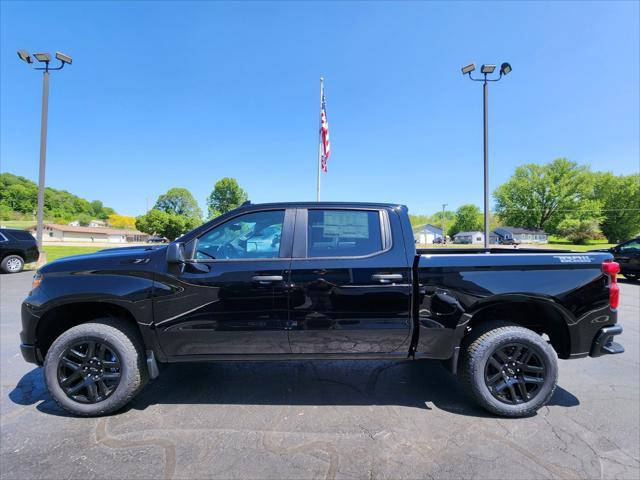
444, 235
46, 59
486, 69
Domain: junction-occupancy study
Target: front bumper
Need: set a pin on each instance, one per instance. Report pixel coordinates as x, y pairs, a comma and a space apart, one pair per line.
603, 343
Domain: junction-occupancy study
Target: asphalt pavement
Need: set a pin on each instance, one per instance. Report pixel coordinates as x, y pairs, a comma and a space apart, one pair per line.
322, 419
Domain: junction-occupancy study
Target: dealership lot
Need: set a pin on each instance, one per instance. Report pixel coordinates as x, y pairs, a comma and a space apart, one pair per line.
348, 419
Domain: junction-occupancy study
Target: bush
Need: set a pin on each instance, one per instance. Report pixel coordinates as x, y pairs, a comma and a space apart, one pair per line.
579, 231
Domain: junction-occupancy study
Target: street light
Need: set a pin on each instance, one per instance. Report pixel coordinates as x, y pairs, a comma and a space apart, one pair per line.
444, 235
486, 69
46, 59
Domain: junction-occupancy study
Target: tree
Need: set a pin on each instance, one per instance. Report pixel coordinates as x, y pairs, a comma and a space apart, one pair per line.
19, 195
121, 221
579, 231
169, 225
468, 219
620, 198
542, 196
419, 220
179, 201
84, 219
226, 196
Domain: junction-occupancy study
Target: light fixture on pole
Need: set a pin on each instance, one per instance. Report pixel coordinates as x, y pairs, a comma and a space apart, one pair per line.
486, 69
46, 59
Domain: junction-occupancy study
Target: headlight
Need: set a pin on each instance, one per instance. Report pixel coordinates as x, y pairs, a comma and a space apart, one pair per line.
37, 280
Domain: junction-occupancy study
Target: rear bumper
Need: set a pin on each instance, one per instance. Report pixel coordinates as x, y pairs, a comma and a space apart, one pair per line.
603, 343
31, 353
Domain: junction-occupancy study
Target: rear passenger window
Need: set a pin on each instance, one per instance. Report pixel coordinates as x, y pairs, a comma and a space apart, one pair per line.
343, 233
22, 235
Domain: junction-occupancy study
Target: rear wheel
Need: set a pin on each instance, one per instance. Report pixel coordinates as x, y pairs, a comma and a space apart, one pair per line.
95, 368
12, 264
510, 370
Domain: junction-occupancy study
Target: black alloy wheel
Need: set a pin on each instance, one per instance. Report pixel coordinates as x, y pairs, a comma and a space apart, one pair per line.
515, 373
89, 371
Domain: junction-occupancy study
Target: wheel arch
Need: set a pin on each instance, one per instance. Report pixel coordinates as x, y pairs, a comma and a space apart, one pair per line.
17, 253
61, 318
543, 316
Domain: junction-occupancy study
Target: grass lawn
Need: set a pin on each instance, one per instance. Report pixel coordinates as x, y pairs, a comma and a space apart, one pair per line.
19, 224
554, 244
582, 248
58, 251
559, 242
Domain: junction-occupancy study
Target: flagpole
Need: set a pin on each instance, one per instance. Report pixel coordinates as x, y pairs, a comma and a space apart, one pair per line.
319, 140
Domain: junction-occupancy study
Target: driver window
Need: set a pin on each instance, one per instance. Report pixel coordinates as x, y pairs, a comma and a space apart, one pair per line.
254, 235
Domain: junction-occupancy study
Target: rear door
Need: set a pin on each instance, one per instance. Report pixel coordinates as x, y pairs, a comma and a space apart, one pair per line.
350, 282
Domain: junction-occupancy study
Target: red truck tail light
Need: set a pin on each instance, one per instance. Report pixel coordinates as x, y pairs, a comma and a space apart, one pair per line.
612, 269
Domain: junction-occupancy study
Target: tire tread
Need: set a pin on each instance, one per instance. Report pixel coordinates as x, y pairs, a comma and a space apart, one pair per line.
476, 346
134, 353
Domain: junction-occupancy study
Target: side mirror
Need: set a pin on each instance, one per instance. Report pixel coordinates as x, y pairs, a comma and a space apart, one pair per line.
175, 252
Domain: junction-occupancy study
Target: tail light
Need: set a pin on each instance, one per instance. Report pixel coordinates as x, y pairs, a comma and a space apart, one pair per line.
612, 269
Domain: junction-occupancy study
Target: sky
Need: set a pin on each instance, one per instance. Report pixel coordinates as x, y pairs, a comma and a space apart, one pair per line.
166, 94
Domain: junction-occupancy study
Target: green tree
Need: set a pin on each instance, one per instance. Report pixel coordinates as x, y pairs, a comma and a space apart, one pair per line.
419, 220
579, 231
179, 201
468, 219
165, 224
20, 196
84, 219
226, 196
620, 198
542, 196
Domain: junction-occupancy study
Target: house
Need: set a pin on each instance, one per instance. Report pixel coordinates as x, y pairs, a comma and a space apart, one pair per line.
69, 233
469, 237
92, 223
520, 235
428, 234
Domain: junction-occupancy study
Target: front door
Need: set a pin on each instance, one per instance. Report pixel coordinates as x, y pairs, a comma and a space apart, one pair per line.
231, 297
350, 283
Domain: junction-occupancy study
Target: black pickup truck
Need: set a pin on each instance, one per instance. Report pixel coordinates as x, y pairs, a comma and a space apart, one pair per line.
317, 281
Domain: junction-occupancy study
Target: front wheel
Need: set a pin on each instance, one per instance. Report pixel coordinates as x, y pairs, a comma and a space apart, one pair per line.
95, 368
510, 370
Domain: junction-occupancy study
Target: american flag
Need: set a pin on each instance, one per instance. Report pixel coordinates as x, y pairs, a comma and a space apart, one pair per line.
324, 134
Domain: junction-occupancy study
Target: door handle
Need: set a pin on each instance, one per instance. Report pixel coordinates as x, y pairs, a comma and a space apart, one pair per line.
386, 277
265, 279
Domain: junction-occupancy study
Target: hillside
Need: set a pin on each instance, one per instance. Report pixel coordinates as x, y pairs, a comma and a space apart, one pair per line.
19, 200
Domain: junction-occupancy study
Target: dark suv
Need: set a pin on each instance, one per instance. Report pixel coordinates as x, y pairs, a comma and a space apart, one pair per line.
627, 254
17, 247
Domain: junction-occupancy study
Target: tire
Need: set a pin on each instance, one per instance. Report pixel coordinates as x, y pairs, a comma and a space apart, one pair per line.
495, 377
120, 367
12, 264
631, 276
